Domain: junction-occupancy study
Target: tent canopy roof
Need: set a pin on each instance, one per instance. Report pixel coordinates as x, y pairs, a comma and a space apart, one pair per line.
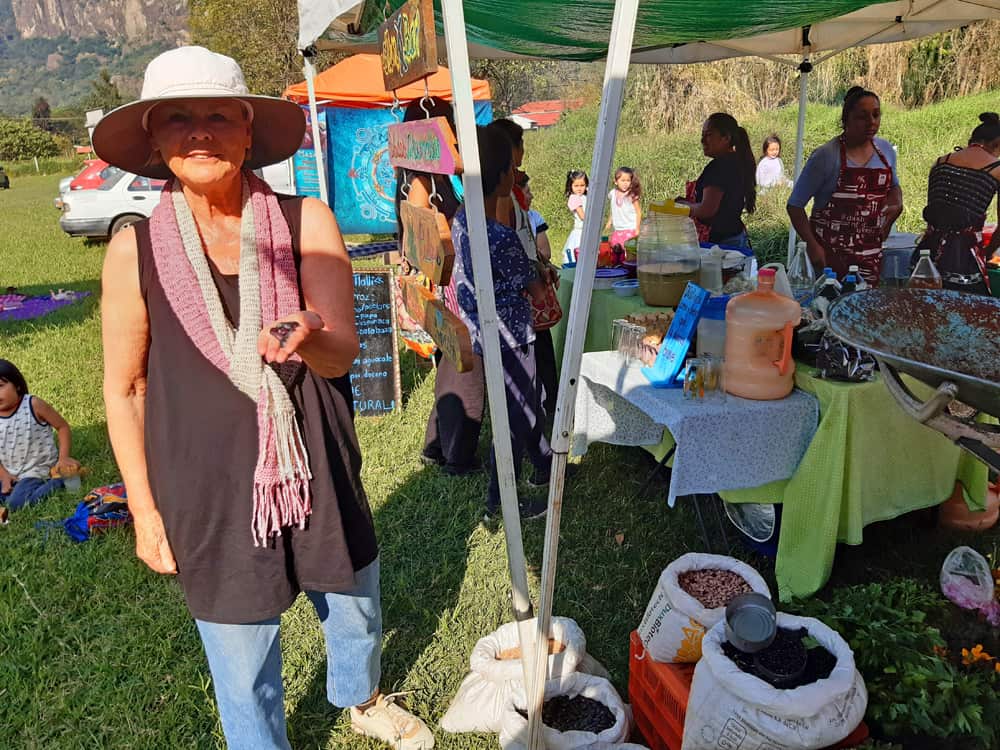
357, 82
673, 31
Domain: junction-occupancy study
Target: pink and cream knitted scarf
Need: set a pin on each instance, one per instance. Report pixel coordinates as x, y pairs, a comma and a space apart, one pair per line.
269, 290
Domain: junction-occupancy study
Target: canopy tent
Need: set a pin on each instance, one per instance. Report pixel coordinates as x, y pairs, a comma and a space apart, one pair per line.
676, 32
661, 31
357, 82
673, 31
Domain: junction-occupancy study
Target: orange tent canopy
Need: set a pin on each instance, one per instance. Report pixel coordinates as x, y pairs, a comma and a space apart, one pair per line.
357, 82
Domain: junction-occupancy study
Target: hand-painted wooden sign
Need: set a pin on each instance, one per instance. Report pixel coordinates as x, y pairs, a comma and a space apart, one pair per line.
427, 242
416, 296
408, 44
448, 331
450, 334
424, 146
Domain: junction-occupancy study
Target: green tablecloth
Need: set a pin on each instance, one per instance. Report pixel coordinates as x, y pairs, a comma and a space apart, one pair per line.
605, 306
868, 462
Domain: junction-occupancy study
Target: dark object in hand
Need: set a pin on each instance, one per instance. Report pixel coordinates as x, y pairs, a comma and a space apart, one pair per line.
283, 330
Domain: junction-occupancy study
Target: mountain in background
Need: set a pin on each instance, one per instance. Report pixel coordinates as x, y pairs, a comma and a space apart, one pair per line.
55, 48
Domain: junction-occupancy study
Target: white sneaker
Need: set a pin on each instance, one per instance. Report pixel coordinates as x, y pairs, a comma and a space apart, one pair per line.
393, 724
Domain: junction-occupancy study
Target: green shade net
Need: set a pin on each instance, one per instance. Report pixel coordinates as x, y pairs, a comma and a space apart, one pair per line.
579, 29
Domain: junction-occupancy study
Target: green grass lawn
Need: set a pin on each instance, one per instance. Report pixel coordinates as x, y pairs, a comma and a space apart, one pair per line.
97, 651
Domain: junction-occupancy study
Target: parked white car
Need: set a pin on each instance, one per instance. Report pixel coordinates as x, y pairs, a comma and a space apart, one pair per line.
125, 198
121, 200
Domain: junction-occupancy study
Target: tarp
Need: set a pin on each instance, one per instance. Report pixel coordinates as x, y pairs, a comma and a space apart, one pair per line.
674, 31
357, 82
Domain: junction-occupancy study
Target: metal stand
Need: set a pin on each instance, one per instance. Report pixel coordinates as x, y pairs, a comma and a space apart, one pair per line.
656, 470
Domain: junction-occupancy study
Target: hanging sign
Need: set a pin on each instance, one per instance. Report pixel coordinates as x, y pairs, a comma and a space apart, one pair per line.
408, 44
427, 242
449, 333
427, 145
446, 329
416, 296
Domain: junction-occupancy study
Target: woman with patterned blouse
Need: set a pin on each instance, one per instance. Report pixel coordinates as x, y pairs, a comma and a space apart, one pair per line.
514, 276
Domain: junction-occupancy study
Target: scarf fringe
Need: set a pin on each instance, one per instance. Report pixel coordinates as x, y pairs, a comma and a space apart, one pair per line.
282, 495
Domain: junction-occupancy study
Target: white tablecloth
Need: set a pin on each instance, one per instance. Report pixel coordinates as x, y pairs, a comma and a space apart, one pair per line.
725, 444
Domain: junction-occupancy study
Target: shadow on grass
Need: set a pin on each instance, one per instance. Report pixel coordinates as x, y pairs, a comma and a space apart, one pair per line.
413, 370
424, 528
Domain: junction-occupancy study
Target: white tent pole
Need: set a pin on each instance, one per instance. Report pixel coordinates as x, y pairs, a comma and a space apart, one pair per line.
800, 135
612, 98
310, 73
453, 15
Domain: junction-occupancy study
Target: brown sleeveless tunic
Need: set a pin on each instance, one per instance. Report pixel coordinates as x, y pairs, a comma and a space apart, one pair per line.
201, 450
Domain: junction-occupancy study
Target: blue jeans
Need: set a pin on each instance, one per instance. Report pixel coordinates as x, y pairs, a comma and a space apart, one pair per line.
30, 491
245, 661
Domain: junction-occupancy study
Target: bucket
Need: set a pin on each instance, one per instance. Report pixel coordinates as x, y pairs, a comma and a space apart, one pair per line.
897, 252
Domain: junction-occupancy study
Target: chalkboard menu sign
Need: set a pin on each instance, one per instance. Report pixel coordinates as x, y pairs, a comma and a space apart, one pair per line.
375, 374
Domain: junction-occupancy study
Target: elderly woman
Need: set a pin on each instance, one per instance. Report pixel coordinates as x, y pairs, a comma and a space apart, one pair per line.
854, 187
228, 333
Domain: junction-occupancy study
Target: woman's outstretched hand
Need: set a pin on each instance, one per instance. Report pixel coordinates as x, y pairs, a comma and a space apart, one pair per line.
280, 340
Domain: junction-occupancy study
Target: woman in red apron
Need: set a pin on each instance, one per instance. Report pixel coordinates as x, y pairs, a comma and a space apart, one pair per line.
855, 192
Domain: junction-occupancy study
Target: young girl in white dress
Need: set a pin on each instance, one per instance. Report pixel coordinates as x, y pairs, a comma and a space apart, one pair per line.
577, 184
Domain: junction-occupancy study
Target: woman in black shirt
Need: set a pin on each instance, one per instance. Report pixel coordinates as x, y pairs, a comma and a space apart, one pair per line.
727, 186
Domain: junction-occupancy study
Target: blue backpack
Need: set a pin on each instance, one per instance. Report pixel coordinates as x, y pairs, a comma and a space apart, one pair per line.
103, 508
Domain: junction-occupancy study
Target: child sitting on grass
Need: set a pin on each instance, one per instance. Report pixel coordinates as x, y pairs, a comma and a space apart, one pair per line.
27, 451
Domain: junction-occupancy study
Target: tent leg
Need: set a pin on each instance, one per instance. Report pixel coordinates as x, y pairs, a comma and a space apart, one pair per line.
619, 52
453, 16
310, 73
804, 70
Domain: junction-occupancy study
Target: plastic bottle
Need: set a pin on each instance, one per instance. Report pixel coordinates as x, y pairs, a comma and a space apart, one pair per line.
831, 288
850, 284
821, 279
925, 275
800, 273
759, 329
712, 327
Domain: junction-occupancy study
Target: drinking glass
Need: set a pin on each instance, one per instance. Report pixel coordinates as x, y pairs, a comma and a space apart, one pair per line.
715, 381
617, 332
694, 379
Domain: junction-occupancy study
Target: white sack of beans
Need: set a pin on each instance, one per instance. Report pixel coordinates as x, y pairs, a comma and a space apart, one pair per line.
514, 726
729, 708
675, 622
481, 698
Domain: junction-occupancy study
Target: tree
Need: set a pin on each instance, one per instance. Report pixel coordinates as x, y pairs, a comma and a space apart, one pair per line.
104, 93
514, 82
261, 35
41, 114
19, 139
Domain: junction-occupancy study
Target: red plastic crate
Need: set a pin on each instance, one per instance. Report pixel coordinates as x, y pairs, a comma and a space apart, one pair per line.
659, 696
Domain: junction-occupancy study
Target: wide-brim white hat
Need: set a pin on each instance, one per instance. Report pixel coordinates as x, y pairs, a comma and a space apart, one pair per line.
120, 138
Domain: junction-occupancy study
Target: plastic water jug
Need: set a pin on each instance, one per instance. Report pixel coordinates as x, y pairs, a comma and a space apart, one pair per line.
759, 329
